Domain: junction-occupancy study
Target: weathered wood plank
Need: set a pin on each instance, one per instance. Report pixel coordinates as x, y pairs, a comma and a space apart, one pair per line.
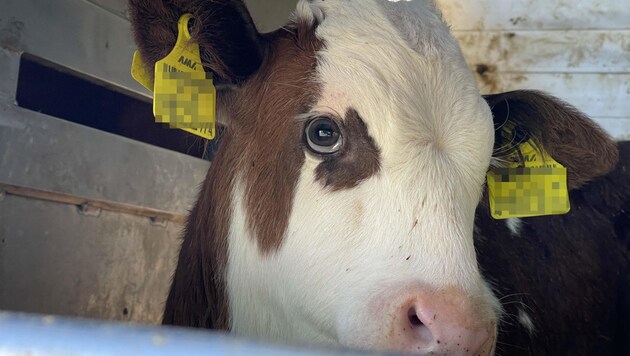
619, 128
536, 14
598, 95
548, 51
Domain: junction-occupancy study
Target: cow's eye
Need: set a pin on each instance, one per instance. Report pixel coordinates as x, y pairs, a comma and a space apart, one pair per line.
323, 136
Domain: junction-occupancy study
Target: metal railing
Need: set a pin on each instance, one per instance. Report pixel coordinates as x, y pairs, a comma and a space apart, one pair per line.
38, 335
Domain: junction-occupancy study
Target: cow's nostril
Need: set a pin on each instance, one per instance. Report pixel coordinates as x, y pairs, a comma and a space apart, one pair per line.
412, 314
420, 332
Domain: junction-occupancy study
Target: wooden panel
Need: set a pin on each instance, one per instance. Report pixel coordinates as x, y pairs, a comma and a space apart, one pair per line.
599, 95
536, 14
619, 128
548, 51
577, 50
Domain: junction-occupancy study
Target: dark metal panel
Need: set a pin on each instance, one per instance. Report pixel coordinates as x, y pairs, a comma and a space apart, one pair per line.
117, 7
9, 66
47, 153
74, 33
110, 266
270, 15
55, 259
94, 36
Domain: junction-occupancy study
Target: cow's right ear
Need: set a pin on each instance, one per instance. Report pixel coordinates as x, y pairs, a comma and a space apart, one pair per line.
229, 43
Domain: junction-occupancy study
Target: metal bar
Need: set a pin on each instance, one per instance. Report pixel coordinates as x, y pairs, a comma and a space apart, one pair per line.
22, 334
88, 203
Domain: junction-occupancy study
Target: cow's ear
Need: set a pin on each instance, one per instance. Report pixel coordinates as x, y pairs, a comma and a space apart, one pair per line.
568, 135
230, 45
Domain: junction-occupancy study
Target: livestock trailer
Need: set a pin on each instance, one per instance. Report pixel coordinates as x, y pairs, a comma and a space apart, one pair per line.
92, 200
94, 194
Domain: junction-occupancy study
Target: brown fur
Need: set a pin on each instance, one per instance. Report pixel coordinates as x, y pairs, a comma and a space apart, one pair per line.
271, 143
358, 160
569, 273
229, 43
262, 146
566, 134
198, 296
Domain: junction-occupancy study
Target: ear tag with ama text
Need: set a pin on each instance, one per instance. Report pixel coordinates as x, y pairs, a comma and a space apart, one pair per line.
184, 95
531, 184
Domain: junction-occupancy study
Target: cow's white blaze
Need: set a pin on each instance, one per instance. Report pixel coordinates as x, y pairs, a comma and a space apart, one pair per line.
411, 224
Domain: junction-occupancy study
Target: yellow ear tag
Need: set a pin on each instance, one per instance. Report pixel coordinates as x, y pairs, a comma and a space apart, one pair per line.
139, 71
535, 187
184, 95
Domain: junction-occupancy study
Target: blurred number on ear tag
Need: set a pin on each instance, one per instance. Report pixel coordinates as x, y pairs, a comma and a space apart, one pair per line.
532, 184
184, 95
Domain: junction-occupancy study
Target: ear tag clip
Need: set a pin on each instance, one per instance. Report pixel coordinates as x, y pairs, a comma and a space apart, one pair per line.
532, 184
184, 95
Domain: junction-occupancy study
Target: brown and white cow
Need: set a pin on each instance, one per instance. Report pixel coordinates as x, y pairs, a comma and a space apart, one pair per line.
340, 207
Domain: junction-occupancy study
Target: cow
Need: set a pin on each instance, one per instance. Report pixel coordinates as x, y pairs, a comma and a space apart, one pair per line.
340, 207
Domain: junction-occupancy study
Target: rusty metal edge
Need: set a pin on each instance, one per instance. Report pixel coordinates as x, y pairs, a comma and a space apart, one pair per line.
64, 198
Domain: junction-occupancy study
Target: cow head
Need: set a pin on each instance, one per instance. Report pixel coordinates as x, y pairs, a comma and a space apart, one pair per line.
340, 208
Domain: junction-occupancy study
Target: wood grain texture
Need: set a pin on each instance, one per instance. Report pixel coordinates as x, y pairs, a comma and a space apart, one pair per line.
592, 51
536, 14
599, 95
576, 50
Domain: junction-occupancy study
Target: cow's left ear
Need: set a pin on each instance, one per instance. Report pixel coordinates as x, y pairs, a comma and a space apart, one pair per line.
568, 135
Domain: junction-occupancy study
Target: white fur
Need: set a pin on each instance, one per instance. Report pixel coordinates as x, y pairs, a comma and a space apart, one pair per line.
398, 66
526, 321
515, 225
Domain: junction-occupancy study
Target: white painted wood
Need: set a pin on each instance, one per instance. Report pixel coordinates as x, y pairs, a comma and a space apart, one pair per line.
593, 51
577, 50
618, 127
598, 95
536, 14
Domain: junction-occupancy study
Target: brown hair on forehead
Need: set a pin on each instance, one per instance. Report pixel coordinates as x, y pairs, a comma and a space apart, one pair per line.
271, 137
262, 147
268, 134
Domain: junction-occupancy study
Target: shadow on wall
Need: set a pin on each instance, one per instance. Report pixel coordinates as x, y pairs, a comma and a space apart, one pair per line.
270, 15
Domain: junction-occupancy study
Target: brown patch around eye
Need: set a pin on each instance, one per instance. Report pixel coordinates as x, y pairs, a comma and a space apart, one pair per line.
269, 138
359, 158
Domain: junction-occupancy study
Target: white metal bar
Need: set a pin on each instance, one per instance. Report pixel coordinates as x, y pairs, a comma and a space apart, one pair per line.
22, 334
